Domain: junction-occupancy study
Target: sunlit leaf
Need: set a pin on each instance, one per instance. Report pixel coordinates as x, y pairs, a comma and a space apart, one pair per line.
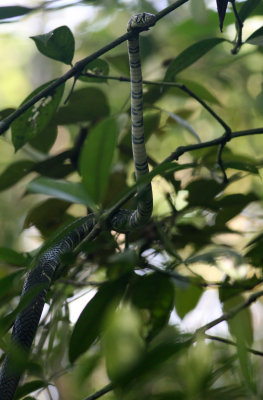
186, 299
256, 38
185, 125
33, 121
58, 44
190, 56
96, 157
69, 191
89, 324
154, 293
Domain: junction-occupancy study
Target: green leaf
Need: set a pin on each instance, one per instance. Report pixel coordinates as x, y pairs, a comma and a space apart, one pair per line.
9, 282
203, 191
242, 166
189, 56
198, 89
96, 67
64, 190
14, 11
155, 293
120, 62
48, 215
28, 388
96, 157
86, 104
34, 120
45, 140
89, 324
221, 8
58, 44
247, 8
240, 326
12, 257
256, 38
14, 172
186, 299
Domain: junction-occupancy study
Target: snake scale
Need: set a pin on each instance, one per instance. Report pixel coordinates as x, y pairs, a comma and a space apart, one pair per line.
26, 323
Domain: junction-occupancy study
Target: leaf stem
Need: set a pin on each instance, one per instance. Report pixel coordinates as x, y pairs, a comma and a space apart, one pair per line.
239, 25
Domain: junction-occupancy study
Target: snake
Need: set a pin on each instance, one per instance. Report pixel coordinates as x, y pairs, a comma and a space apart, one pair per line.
40, 277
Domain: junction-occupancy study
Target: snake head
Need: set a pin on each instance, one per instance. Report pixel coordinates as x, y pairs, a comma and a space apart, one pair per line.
141, 21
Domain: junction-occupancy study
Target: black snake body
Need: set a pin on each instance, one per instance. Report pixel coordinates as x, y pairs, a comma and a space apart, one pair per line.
26, 323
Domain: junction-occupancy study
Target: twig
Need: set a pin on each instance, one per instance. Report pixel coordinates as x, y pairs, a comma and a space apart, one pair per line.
230, 314
77, 68
239, 25
231, 343
215, 142
180, 86
100, 392
220, 161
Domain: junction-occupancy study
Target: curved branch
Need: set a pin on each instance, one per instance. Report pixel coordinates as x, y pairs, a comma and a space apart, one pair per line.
77, 68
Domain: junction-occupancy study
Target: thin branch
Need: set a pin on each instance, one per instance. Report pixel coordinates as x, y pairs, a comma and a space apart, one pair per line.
231, 343
239, 25
230, 314
169, 9
215, 142
100, 392
77, 68
168, 84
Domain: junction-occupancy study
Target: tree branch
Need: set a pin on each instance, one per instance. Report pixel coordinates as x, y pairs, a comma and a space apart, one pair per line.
230, 314
100, 392
231, 343
180, 86
77, 68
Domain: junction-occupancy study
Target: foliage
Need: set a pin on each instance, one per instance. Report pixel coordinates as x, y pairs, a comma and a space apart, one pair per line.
204, 233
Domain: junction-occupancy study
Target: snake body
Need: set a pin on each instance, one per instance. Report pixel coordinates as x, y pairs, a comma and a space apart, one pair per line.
40, 277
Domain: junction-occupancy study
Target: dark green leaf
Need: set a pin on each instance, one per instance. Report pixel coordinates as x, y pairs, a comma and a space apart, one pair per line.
256, 38
199, 89
186, 299
242, 166
48, 215
45, 140
5, 112
13, 257
247, 8
14, 11
28, 388
120, 62
189, 56
203, 191
155, 293
89, 325
58, 44
86, 104
240, 325
64, 190
9, 283
14, 172
96, 67
96, 157
221, 8
34, 120
232, 205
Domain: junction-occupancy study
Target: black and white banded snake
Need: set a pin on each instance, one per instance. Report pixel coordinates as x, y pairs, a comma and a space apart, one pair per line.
26, 323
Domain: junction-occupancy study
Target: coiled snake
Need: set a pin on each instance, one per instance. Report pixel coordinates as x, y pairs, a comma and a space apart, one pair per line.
41, 276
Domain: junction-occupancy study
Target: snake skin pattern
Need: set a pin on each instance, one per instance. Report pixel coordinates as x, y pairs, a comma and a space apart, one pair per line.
40, 278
